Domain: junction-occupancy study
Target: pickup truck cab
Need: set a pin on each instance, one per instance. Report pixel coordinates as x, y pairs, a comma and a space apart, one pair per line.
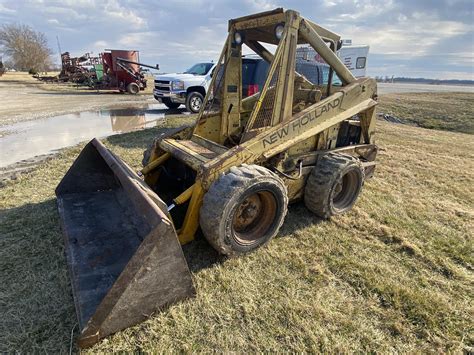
189, 88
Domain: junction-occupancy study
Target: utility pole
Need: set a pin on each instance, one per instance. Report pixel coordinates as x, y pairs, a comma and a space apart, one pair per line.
60, 52
59, 46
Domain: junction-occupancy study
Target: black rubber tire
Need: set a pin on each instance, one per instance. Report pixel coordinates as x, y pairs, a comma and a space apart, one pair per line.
171, 105
191, 101
147, 154
324, 196
133, 88
225, 202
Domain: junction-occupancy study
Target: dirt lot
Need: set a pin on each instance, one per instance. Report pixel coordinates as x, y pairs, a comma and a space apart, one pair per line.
24, 98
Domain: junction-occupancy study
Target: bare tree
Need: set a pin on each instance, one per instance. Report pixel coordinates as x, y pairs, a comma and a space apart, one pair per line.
26, 48
2, 67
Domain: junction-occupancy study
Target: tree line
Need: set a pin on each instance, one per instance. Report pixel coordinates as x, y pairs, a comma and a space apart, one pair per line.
24, 49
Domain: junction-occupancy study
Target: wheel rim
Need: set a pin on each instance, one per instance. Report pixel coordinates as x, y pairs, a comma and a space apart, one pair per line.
134, 89
345, 190
254, 217
195, 103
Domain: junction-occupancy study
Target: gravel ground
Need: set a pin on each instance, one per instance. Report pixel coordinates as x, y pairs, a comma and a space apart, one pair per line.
24, 98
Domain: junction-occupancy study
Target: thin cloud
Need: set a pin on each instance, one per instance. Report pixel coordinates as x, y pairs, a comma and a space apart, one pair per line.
407, 37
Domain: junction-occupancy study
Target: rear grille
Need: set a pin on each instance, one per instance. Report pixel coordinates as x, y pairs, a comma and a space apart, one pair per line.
163, 85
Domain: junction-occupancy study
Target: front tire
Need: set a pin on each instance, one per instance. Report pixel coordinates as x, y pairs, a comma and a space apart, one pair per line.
133, 88
171, 105
243, 209
334, 184
194, 101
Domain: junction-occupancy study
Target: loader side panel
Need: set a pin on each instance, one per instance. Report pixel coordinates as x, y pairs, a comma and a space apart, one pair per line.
159, 280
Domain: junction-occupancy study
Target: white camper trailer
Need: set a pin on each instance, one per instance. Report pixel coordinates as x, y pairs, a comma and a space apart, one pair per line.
353, 56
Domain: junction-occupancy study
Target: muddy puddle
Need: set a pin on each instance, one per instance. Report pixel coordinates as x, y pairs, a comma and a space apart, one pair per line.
25, 140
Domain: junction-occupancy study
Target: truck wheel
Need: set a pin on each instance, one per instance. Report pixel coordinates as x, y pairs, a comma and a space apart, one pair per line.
194, 101
133, 88
243, 209
171, 105
333, 185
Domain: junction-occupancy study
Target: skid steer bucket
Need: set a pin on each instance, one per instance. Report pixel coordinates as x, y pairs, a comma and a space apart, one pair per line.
122, 250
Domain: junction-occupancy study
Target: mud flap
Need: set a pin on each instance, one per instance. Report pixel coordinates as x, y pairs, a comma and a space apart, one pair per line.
122, 249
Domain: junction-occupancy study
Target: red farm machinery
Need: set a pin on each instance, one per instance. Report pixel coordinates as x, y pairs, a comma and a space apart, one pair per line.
121, 70
111, 70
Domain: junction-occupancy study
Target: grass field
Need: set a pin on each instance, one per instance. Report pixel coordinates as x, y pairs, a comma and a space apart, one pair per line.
445, 111
394, 274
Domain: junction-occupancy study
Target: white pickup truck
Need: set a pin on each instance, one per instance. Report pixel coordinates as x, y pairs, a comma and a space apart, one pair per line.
188, 88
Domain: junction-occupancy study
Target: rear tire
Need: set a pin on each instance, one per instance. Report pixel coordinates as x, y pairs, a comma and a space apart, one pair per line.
333, 185
194, 101
243, 209
171, 105
133, 88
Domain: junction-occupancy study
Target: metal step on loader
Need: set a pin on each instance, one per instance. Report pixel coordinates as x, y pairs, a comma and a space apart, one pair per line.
230, 175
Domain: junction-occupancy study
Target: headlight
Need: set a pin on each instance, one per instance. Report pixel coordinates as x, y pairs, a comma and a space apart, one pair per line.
177, 85
279, 30
238, 37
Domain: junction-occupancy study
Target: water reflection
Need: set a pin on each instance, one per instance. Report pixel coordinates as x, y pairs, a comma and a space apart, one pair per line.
128, 123
27, 139
133, 119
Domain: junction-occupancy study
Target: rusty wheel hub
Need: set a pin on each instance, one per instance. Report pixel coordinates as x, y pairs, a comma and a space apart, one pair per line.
254, 216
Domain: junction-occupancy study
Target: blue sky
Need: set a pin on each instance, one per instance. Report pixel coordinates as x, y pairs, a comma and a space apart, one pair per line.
415, 38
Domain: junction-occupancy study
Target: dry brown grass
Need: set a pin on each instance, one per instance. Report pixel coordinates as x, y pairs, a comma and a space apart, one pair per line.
28, 79
446, 111
18, 77
395, 274
23, 78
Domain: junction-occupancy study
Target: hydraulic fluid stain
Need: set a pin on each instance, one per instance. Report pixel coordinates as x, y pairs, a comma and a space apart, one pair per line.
25, 140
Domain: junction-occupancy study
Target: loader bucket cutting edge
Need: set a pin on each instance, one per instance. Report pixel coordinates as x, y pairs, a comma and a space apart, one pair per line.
122, 250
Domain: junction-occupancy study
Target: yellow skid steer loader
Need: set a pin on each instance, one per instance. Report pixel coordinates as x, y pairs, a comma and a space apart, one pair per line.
231, 174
